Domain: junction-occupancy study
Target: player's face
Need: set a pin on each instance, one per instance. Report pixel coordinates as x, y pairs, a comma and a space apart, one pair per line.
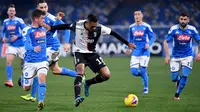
138, 16
40, 20
11, 12
92, 25
183, 21
43, 7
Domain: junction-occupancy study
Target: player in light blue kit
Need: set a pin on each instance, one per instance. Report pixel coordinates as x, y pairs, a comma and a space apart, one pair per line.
141, 34
181, 35
53, 49
36, 64
11, 34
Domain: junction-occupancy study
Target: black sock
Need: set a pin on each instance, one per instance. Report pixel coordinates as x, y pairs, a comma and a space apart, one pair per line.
176, 95
77, 85
97, 79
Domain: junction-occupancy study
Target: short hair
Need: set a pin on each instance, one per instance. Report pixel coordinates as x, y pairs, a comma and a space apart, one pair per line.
11, 6
92, 18
41, 1
36, 14
184, 14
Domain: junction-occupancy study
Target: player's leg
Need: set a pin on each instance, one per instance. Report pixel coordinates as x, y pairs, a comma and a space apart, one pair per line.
134, 65
175, 68
42, 70
144, 60
80, 68
96, 64
187, 66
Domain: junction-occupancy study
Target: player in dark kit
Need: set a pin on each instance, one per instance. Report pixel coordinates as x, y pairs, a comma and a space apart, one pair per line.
87, 34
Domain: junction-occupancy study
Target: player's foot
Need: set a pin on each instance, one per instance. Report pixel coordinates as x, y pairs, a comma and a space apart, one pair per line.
40, 106
78, 100
9, 83
28, 98
86, 89
145, 91
176, 98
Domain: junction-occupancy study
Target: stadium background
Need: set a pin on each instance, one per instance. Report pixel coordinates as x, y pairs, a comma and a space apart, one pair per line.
117, 14
109, 96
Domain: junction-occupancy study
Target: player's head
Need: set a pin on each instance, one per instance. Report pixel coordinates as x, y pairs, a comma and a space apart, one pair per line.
38, 17
11, 10
138, 16
184, 19
92, 22
42, 5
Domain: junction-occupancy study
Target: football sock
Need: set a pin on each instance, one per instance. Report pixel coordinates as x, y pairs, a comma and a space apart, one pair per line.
135, 72
175, 77
41, 92
68, 72
34, 87
144, 76
77, 85
9, 71
97, 79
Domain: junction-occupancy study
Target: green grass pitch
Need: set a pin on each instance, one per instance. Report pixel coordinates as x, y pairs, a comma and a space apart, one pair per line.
108, 96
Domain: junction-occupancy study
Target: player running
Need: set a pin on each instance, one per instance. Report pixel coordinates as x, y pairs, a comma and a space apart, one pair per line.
36, 64
87, 34
141, 34
11, 34
181, 59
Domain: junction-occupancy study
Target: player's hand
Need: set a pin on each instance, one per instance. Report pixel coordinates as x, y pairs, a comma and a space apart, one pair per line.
66, 47
60, 15
14, 37
131, 45
146, 46
167, 59
197, 57
37, 49
128, 51
4, 40
46, 26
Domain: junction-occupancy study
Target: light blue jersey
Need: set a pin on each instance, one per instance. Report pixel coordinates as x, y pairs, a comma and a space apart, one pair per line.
34, 37
182, 40
52, 39
140, 36
13, 27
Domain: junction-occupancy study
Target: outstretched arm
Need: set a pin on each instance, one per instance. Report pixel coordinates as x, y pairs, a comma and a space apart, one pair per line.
115, 34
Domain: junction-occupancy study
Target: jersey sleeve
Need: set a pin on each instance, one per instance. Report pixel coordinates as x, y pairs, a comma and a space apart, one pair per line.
105, 30
151, 35
3, 30
27, 39
169, 35
196, 35
22, 24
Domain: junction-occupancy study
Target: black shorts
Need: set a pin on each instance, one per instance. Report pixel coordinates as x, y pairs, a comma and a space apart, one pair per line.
92, 60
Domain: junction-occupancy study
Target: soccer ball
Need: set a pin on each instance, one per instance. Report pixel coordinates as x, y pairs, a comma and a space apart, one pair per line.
131, 100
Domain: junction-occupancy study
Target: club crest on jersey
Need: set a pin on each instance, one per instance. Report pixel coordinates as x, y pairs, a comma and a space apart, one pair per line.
11, 27
183, 37
39, 34
138, 33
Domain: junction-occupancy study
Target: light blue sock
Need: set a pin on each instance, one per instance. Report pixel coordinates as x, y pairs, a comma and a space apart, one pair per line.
68, 72
34, 87
41, 92
9, 71
175, 77
145, 77
135, 72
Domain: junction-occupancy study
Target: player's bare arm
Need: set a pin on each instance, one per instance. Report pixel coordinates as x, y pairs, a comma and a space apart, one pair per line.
166, 48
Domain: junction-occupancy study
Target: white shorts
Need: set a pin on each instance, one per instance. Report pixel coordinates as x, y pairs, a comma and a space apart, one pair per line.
139, 61
52, 55
177, 63
32, 70
17, 51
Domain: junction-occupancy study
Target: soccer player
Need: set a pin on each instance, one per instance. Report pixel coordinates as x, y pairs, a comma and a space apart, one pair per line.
11, 34
36, 64
141, 34
53, 49
87, 34
181, 58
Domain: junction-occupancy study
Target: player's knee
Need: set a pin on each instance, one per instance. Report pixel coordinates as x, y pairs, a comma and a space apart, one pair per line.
42, 78
26, 88
8, 62
106, 76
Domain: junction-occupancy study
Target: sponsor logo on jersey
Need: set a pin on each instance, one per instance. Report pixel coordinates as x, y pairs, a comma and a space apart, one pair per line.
183, 37
11, 27
138, 33
39, 34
